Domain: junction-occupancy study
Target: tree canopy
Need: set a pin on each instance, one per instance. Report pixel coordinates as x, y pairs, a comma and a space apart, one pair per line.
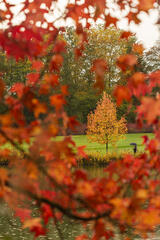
103, 126
78, 73
151, 58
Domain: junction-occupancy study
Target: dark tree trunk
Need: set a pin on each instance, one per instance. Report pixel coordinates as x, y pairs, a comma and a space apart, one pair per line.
107, 147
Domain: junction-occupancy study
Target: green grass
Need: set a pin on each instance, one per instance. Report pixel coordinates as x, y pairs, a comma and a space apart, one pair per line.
122, 145
91, 147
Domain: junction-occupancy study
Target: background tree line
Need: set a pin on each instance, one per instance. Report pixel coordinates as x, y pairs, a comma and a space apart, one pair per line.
77, 75
101, 43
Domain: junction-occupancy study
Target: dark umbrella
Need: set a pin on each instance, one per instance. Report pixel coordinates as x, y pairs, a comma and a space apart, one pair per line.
135, 147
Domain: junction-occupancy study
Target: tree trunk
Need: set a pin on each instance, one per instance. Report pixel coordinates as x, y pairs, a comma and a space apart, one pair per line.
107, 147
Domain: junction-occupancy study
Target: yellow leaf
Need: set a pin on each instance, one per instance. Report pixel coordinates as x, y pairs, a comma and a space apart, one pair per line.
142, 193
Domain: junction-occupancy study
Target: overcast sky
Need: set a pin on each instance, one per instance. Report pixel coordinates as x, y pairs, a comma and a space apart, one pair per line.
146, 32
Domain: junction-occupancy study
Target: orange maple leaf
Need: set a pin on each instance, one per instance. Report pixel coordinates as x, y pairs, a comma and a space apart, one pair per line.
145, 5
51, 79
121, 93
149, 109
99, 66
6, 119
57, 101
138, 48
137, 78
82, 237
40, 108
64, 90
126, 62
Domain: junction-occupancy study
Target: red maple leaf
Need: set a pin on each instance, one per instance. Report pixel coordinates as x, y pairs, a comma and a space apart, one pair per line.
126, 35
23, 214
110, 20
56, 62
35, 226
46, 212
32, 78
60, 46
37, 65
18, 89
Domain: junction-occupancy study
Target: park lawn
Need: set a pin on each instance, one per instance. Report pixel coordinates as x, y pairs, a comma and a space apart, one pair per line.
123, 145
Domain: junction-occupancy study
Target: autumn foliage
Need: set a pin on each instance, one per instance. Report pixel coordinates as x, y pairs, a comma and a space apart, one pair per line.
44, 171
103, 126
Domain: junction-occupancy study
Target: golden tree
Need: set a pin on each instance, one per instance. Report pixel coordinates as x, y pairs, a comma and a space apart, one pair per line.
103, 126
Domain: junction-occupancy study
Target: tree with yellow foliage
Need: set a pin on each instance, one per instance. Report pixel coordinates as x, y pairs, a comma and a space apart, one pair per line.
103, 126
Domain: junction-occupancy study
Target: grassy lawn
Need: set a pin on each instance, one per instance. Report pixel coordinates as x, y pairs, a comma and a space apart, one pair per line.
122, 145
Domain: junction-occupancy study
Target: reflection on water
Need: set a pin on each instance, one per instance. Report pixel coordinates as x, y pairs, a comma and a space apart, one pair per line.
10, 227
95, 172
